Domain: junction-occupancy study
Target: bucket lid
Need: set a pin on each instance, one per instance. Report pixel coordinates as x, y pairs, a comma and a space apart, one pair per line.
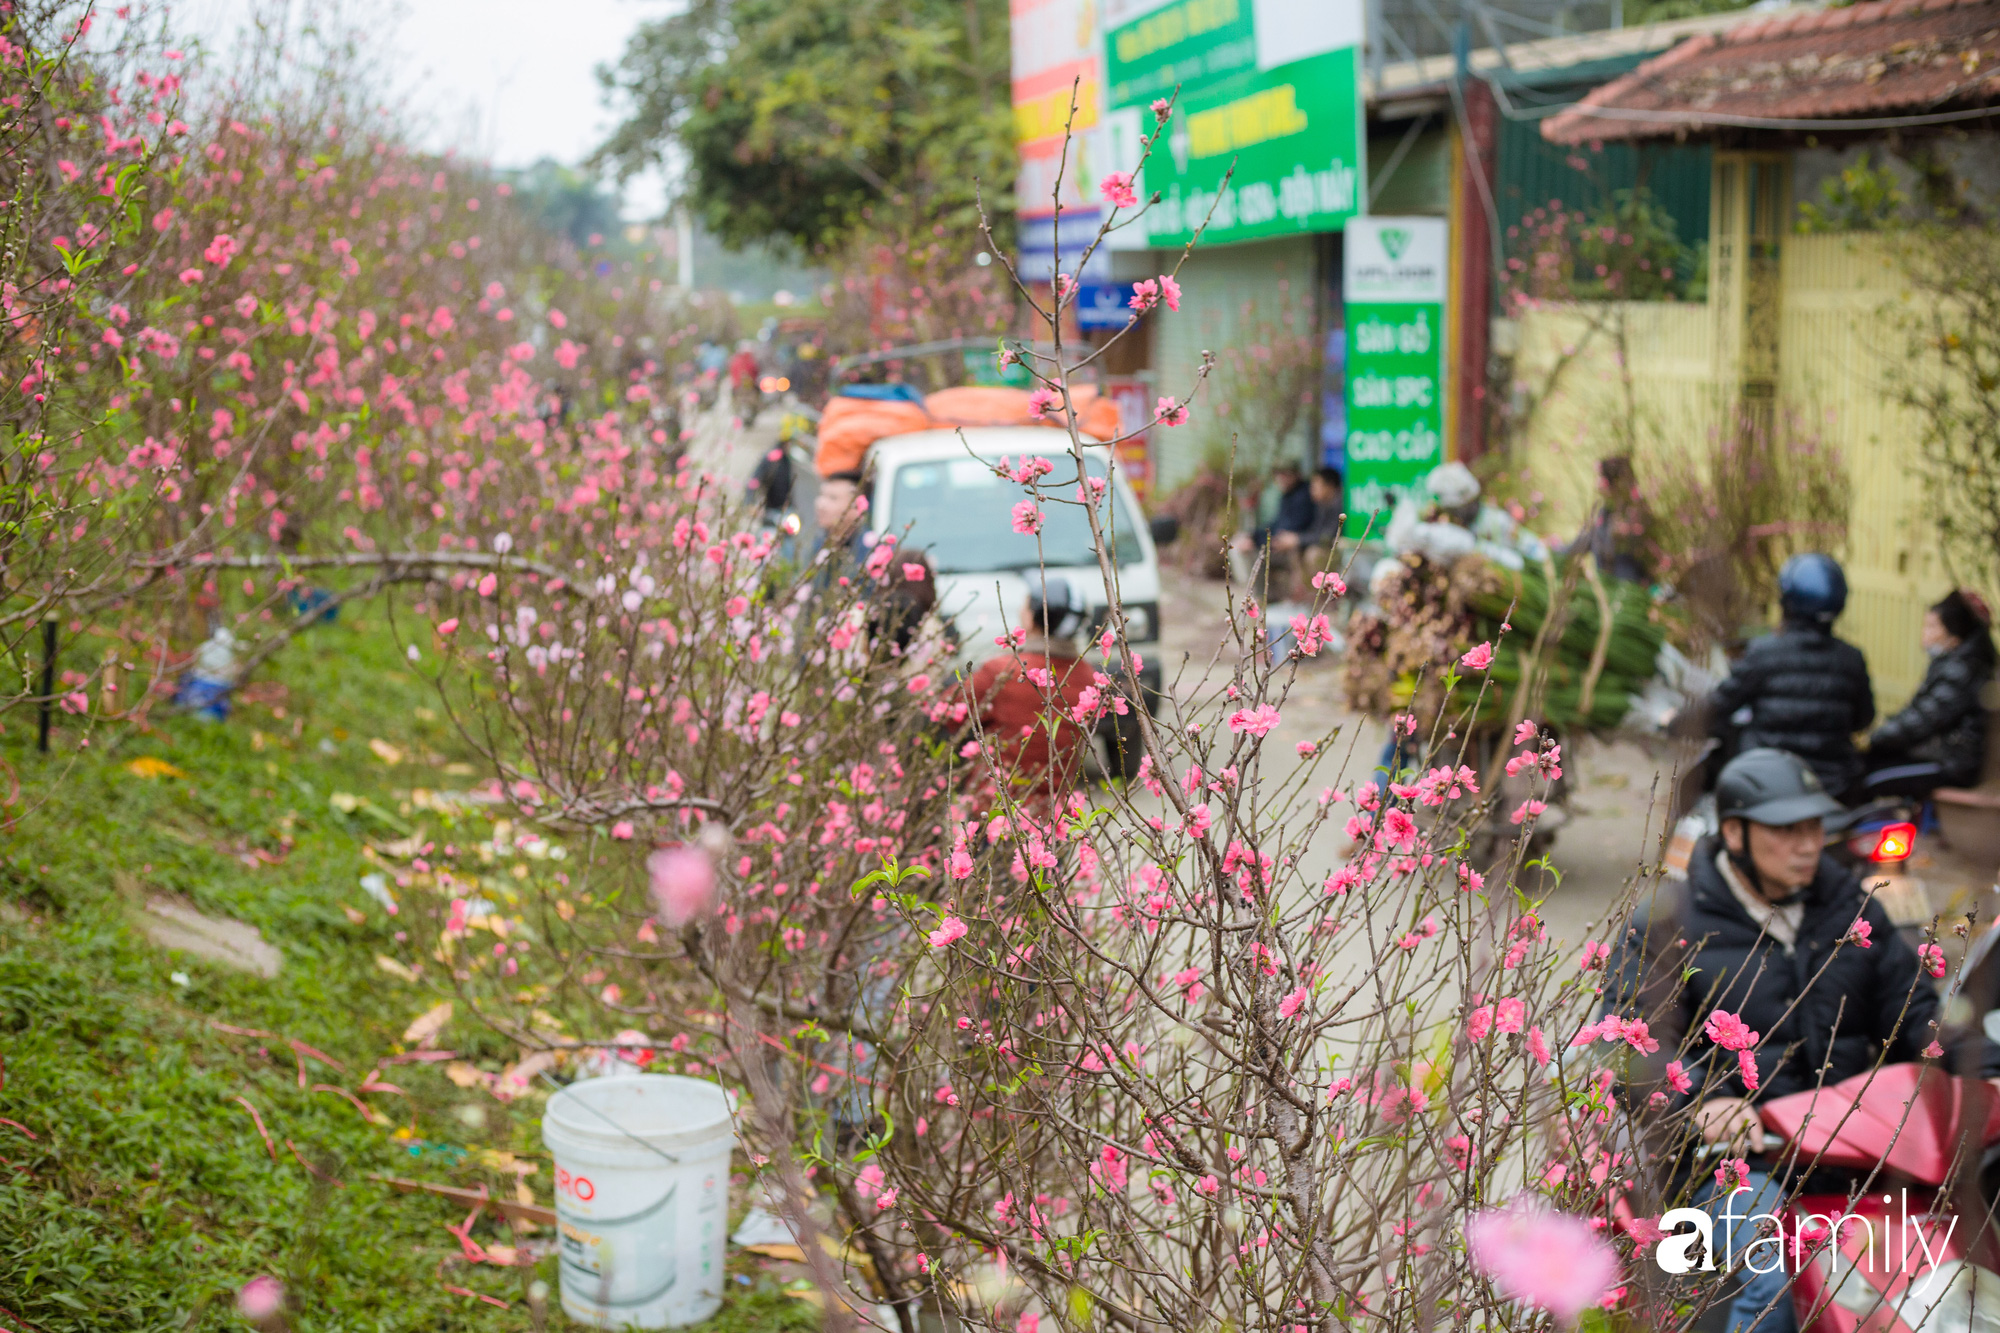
663, 1111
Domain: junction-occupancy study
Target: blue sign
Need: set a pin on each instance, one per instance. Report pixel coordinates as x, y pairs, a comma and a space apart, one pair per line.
1038, 239
1101, 306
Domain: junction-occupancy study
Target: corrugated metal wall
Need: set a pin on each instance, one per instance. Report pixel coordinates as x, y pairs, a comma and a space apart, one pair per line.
1532, 171
1840, 350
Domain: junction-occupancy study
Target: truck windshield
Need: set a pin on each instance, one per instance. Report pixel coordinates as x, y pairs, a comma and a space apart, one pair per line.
959, 512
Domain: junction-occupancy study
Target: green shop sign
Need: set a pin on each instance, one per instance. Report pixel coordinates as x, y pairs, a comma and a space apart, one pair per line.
1394, 288
1268, 87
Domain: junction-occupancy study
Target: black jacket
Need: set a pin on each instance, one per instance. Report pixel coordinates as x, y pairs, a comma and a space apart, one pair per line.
1857, 1003
1296, 513
1944, 723
1808, 693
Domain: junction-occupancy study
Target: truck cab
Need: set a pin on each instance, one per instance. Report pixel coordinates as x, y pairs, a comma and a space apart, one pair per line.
937, 491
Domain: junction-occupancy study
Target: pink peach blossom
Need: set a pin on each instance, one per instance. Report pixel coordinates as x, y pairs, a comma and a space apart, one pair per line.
1542, 1258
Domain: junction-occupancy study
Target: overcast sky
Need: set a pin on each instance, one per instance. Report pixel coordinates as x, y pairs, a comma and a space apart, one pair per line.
507, 81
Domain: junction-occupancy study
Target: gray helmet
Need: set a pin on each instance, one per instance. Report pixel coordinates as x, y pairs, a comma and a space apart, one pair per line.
1767, 786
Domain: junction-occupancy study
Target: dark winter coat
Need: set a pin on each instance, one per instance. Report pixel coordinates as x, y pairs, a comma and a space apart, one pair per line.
1945, 722
1808, 693
1857, 1003
1296, 513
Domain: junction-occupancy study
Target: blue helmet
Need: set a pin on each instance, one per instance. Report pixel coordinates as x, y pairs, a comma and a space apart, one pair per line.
1812, 588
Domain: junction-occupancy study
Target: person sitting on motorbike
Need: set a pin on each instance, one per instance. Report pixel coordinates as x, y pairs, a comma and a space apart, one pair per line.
1801, 689
1939, 738
1033, 738
1769, 929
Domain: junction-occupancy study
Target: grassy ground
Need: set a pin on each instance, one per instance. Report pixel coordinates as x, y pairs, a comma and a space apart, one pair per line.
146, 1195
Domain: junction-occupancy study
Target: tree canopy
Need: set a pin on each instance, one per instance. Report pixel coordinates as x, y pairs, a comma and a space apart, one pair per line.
819, 120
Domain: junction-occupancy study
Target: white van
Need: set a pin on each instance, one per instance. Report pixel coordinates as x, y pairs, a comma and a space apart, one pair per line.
937, 491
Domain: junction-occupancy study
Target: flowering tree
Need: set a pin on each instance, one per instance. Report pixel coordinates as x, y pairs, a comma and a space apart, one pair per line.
1140, 1057
82, 132
288, 353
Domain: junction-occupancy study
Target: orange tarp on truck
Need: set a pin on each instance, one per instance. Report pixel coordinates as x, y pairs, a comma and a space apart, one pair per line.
850, 425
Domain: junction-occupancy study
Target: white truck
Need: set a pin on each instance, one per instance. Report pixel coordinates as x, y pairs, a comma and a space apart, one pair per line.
937, 491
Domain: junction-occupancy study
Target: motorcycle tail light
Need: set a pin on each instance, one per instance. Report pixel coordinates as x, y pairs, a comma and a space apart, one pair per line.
1891, 842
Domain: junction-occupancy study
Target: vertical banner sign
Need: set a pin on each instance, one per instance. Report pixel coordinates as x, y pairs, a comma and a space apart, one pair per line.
1267, 136
1059, 135
1395, 297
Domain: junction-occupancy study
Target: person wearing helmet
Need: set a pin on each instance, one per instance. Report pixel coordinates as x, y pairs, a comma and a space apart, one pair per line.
1769, 929
1026, 699
1801, 689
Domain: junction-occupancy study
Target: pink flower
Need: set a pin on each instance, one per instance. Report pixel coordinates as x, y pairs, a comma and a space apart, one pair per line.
1524, 732
1858, 933
683, 883
1528, 810
1479, 658
1027, 516
1733, 1173
1933, 1051
190, 276
448, 627
1479, 1023
1331, 582
1257, 721
1110, 1170
870, 1180
1509, 1015
1170, 292
1145, 295
887, 1201
1746, 1065
949, 929
1290, 1006
622, 830
1042, 402
1538, 1046
1117, 190
914, 573
1729, 1032
1542, 1258
489, 585
260, 1299
1932, 957
1677, 1077
1172, 412
1028, 1323
1207, 1185
1161, 109
1594, 955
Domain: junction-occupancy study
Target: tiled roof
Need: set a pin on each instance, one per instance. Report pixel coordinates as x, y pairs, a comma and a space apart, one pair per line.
1885, 58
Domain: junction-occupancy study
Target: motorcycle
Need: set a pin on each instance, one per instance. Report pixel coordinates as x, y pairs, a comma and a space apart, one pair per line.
1897, 1259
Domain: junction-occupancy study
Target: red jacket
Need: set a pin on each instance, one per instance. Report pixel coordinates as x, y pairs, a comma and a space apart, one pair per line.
1042, 750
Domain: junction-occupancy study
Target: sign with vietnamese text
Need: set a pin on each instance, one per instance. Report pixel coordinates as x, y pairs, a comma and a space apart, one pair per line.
1267, 135
1394, 289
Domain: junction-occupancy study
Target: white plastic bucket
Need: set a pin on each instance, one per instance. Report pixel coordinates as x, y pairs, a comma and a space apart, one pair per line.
642, 1198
